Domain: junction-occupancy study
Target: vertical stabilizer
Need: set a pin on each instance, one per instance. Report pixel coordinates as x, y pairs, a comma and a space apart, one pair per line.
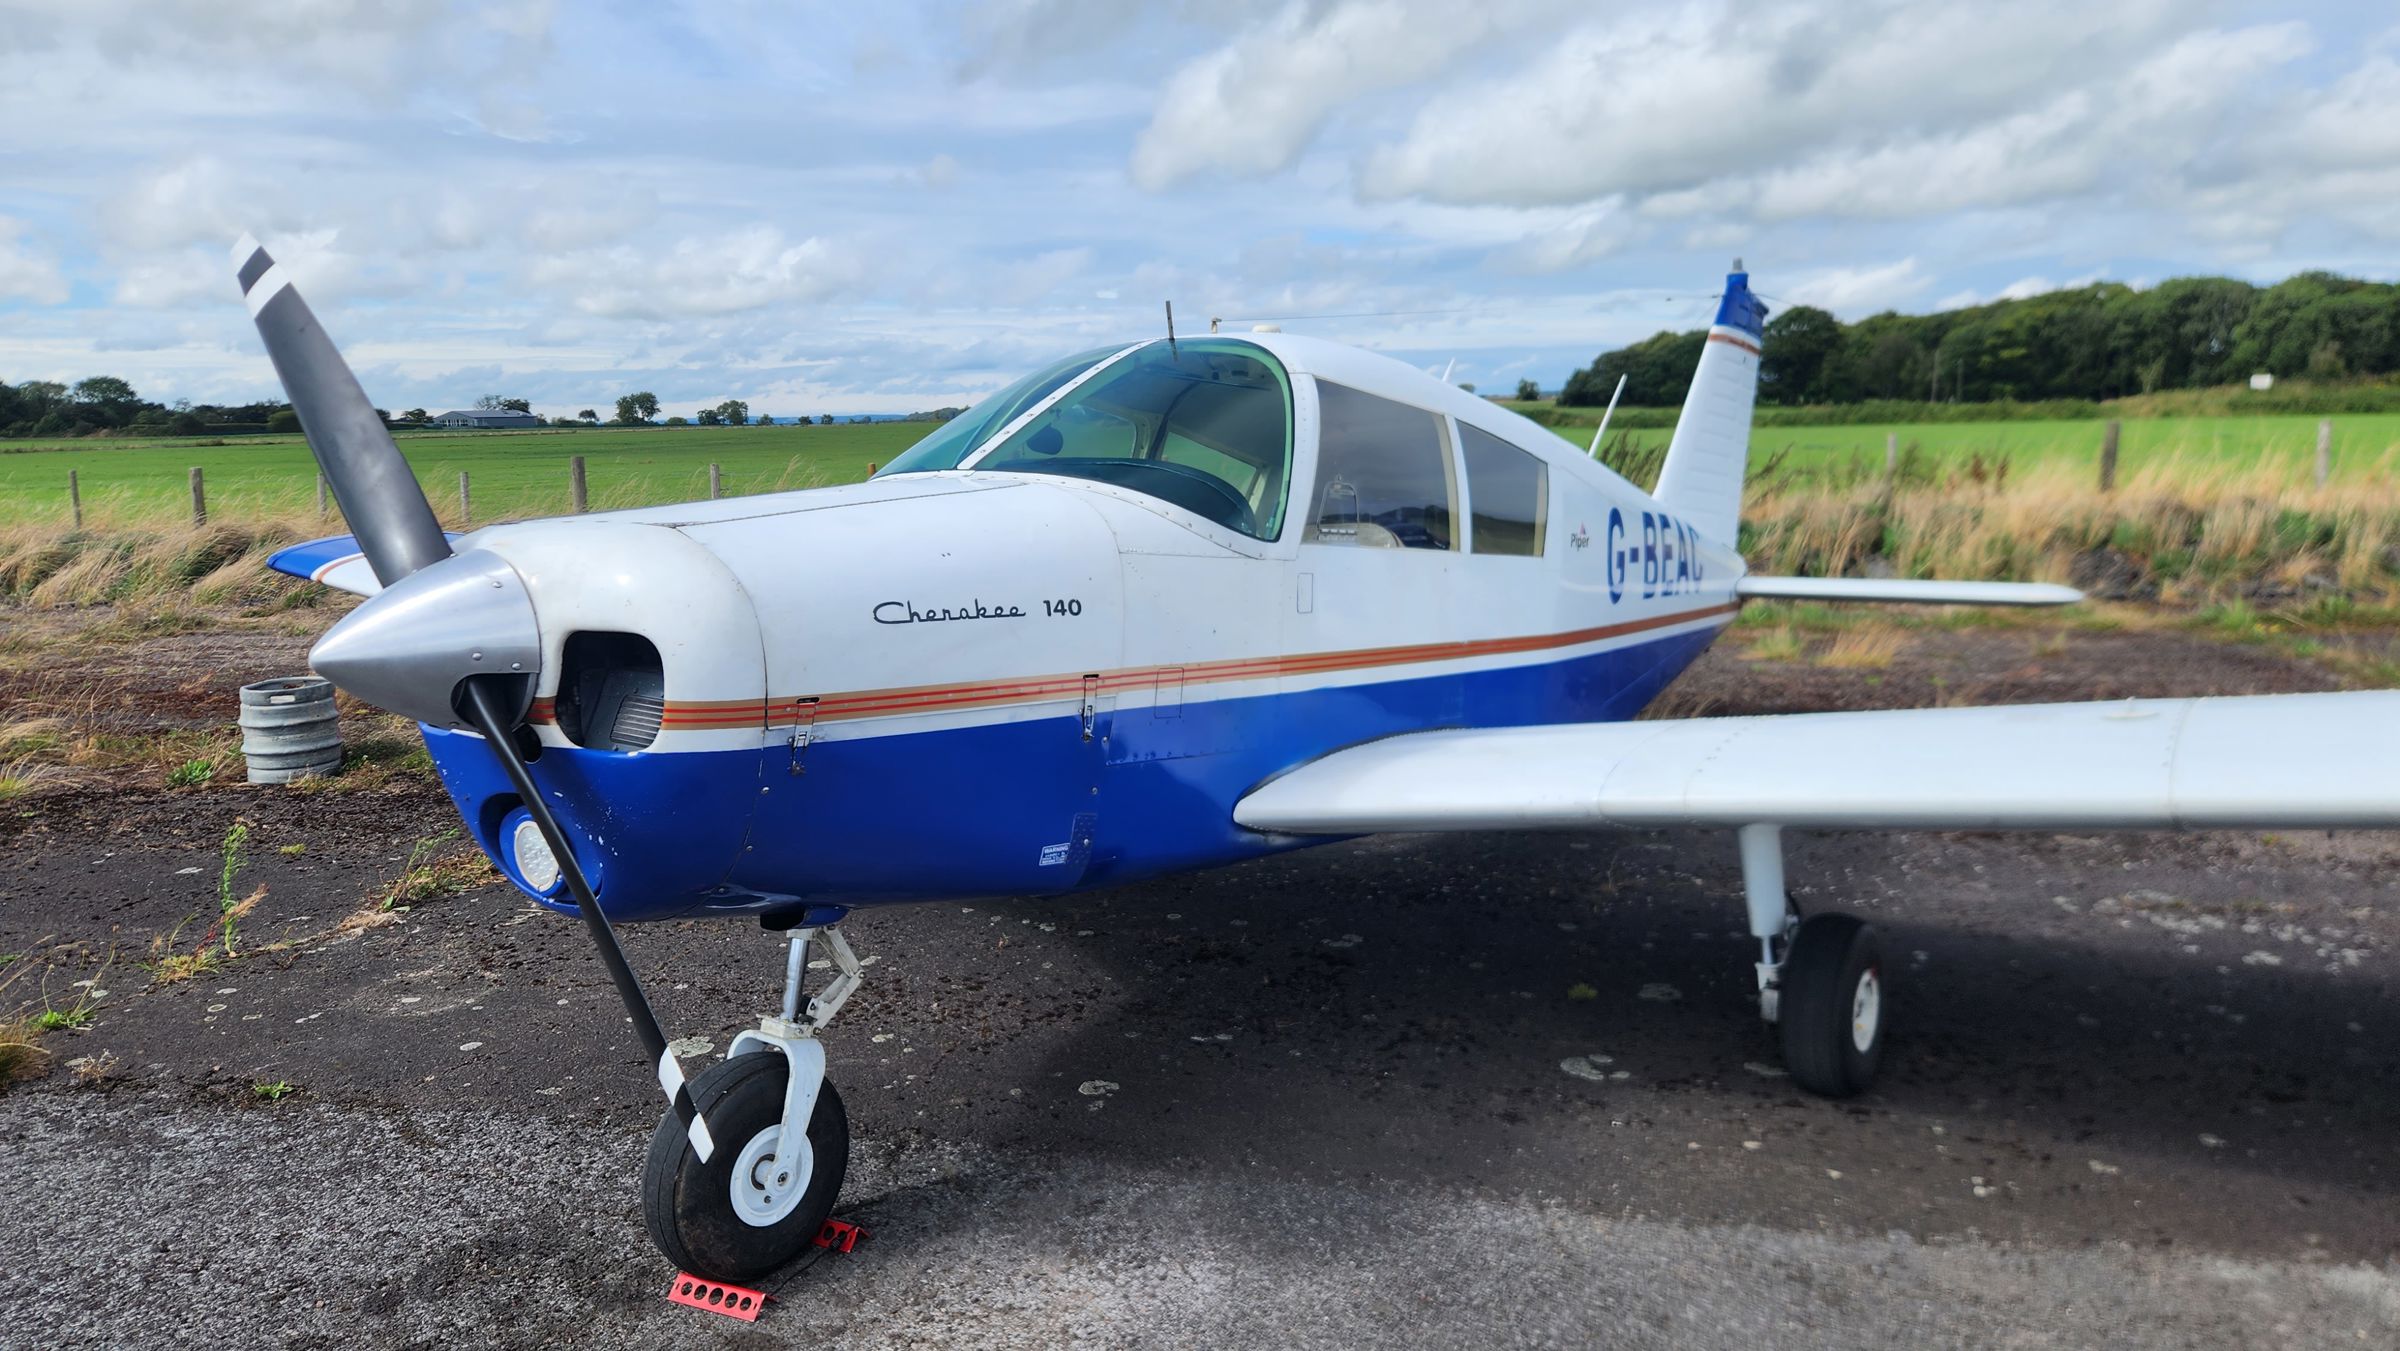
1702, 479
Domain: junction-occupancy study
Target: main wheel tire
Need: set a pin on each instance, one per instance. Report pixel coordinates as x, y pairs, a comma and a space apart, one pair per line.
689, 1205
1833, 1005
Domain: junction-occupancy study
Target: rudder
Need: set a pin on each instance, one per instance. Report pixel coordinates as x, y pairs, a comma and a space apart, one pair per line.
1701, 481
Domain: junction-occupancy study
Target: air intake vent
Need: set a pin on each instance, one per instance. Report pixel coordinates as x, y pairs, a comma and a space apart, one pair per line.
638, 718
611, 692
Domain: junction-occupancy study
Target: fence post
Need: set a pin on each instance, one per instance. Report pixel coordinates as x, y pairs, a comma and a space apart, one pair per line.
1891, 454
870, 469
2324, 449
320, 496
466, 504
2108, 456
716, 482
75, 498
575, 484
199, 499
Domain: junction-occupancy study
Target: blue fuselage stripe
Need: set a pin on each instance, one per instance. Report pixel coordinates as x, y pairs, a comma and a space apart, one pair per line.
1017, 807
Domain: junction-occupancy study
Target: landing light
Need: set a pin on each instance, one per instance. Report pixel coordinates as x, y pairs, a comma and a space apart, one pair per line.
531, 854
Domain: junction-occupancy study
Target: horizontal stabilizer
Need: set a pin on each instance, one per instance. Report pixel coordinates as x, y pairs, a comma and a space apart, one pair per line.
2262, 762
336, 561
1898, 592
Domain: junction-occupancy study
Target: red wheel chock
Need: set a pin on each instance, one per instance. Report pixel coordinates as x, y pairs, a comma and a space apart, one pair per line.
733, 1301
840, 1235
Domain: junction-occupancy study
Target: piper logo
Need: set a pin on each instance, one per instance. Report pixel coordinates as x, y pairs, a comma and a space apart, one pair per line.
1582, 538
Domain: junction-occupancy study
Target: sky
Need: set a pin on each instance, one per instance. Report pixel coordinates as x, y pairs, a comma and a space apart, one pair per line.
881, 208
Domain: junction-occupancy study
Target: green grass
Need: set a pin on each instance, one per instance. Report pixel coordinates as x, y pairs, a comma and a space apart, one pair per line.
511, 474
515, 475
2360, 441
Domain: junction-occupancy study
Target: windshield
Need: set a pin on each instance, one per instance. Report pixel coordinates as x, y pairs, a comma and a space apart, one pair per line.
958, 437
1206, 425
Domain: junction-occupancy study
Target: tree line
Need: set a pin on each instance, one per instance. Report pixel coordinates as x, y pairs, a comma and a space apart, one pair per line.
2102, 341
105, 404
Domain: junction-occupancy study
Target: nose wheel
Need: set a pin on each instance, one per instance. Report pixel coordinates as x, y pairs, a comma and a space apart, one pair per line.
758, 1201
760, 1194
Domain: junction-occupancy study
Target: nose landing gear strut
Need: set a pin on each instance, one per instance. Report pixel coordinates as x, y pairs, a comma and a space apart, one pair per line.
783, 1139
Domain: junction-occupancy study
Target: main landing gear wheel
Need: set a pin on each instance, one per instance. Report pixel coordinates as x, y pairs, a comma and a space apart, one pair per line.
1833, 1000
754, 1205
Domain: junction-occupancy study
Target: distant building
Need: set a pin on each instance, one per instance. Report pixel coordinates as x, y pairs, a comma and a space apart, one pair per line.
494, 419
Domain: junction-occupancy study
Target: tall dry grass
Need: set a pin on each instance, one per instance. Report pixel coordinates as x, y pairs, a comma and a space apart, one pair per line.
2201, 525
133, 548
2198, 526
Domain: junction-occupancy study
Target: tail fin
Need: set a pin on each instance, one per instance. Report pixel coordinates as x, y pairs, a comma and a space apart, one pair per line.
1702, 479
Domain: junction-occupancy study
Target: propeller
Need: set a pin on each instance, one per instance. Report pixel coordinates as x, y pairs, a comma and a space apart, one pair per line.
402, 648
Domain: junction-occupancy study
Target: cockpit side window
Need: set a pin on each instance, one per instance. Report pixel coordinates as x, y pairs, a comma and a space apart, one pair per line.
1509, 489
954, 440
1205, 424
1384, 476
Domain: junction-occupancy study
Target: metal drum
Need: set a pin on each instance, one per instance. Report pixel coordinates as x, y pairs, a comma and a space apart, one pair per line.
289, 729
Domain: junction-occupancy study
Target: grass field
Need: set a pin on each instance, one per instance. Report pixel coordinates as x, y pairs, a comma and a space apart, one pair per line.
511, 474
2362, 442
519, 474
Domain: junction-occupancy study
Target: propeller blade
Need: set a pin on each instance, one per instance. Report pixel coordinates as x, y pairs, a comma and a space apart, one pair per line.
379, 495
388, 637
486, 705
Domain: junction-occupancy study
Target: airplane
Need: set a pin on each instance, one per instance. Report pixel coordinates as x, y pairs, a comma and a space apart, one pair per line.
1158, 606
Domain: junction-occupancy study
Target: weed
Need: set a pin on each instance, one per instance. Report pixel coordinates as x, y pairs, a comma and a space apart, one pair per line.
291, 850
2235, 619
233, 853
191, 773
91, 1069
21, 1050
1864, 648
1781, 644
274, 1092
168, 967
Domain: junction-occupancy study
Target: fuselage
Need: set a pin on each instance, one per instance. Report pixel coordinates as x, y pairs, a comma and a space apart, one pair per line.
975, 680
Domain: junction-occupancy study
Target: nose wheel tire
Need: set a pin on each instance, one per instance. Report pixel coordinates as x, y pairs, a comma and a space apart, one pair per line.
1834, 1005
753, 1205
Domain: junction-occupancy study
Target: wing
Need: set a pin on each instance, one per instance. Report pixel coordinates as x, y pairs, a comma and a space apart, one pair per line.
2262, 762
336, 561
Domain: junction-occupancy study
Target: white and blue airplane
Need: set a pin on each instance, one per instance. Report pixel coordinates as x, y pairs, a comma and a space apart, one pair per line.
1163, 606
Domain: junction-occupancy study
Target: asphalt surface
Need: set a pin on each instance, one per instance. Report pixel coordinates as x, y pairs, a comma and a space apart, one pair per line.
1506, 1090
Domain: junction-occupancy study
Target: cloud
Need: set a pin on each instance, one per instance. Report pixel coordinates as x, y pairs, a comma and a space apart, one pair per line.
27, 272
189, 276
907, 205
1251, 106
1832, 111
745, 269
1856, 291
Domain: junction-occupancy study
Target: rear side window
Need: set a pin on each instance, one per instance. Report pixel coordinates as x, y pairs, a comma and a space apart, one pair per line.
1508, 489
1383, 474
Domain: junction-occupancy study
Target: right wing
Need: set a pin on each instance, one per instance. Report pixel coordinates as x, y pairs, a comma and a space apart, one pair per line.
2285, 761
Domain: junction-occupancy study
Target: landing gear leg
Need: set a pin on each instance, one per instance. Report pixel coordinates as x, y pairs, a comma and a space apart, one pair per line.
783, 1139
1820, 979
